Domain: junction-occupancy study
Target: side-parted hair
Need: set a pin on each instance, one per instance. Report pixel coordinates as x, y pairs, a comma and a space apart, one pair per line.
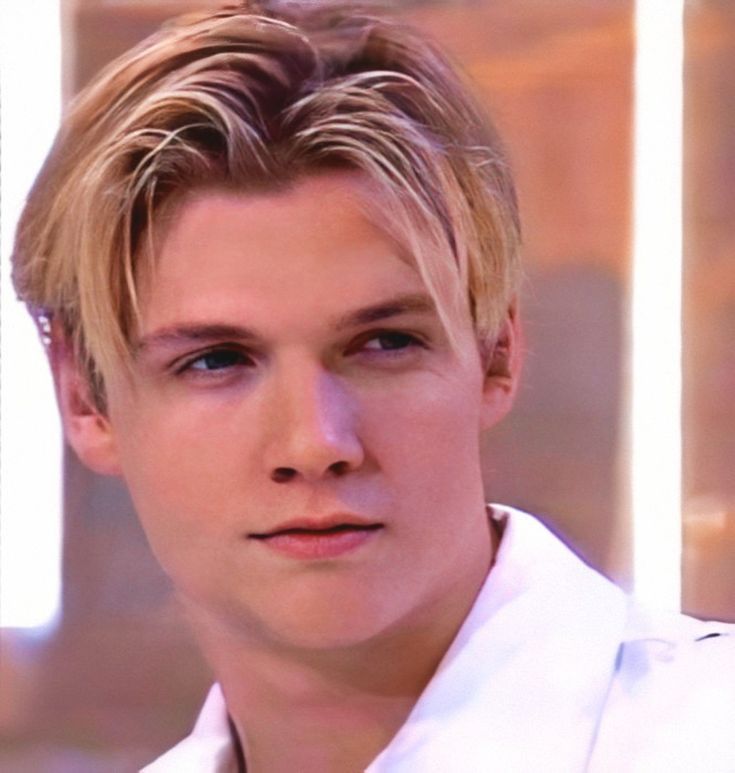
251, 99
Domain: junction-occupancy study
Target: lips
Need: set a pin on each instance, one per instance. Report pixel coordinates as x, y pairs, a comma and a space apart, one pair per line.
318, 538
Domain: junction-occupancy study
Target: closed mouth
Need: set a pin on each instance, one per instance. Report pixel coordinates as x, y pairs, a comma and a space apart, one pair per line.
331, 539
319, 531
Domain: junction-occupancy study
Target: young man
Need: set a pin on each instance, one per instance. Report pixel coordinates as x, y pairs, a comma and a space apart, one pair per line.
278, 252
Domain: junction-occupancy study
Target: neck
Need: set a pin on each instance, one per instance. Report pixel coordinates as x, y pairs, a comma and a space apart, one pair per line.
330, 710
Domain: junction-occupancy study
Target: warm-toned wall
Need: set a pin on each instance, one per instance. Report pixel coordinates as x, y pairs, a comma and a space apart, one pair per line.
121, 680
709, 325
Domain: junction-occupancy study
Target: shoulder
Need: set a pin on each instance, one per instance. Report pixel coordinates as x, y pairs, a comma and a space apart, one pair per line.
672, 658
659, 644
667, 697
672, 697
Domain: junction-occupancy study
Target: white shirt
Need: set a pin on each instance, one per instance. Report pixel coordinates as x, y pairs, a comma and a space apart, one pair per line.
555, 669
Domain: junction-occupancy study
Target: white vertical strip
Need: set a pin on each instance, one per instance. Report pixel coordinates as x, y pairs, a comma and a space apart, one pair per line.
656, 304
30, 438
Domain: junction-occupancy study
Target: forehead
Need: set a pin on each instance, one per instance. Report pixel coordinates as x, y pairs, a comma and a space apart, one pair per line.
335, 207
312, 248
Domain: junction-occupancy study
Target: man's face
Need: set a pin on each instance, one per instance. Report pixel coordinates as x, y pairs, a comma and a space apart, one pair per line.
299, 437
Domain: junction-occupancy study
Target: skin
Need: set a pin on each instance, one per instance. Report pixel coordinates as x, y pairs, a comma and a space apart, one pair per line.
259, 394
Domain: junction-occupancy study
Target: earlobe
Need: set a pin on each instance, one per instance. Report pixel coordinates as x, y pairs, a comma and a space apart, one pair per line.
503, 362
86, 427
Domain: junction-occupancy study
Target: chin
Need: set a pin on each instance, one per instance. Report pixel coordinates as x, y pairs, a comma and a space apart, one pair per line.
302, 620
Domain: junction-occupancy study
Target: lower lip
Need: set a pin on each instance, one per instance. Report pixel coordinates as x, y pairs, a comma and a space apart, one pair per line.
319, 545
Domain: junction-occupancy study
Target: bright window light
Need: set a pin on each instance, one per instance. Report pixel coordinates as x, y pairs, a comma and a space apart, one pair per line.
655, 400
30, 438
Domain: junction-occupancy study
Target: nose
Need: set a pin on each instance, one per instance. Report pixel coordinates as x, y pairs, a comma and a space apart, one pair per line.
313, 427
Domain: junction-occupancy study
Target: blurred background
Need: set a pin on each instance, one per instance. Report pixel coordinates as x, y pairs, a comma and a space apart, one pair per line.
116, 679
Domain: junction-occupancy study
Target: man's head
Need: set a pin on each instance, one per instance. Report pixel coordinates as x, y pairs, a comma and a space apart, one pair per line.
281, 250
253, 99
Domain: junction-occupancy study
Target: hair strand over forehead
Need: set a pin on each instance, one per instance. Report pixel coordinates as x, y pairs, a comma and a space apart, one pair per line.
250, 99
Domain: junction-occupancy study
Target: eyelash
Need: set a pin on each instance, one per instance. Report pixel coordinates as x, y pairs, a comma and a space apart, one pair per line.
412, 341
236, 357
230, 351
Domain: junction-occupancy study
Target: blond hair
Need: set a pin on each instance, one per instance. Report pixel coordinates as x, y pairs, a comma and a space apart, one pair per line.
252, 98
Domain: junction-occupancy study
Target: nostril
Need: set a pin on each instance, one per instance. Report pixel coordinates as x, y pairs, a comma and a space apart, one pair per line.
283, 474
339, 468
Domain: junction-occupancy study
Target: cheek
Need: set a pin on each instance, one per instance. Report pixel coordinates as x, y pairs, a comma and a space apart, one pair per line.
179, 465
426, 430
182, 491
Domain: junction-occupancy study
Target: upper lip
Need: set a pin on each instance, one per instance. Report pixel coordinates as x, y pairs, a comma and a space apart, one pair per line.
319, 524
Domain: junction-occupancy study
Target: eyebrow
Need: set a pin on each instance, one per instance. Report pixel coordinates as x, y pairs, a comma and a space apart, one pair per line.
187, 334
416, 303
176, 335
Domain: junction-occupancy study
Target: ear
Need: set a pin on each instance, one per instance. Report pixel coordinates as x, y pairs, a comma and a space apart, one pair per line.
503, 363
87, 429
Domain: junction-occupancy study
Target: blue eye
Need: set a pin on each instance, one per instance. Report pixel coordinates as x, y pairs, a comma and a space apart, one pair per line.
216, 360
391, 341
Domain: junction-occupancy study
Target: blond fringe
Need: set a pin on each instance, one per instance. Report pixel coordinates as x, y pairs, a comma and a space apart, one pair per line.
251, 102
